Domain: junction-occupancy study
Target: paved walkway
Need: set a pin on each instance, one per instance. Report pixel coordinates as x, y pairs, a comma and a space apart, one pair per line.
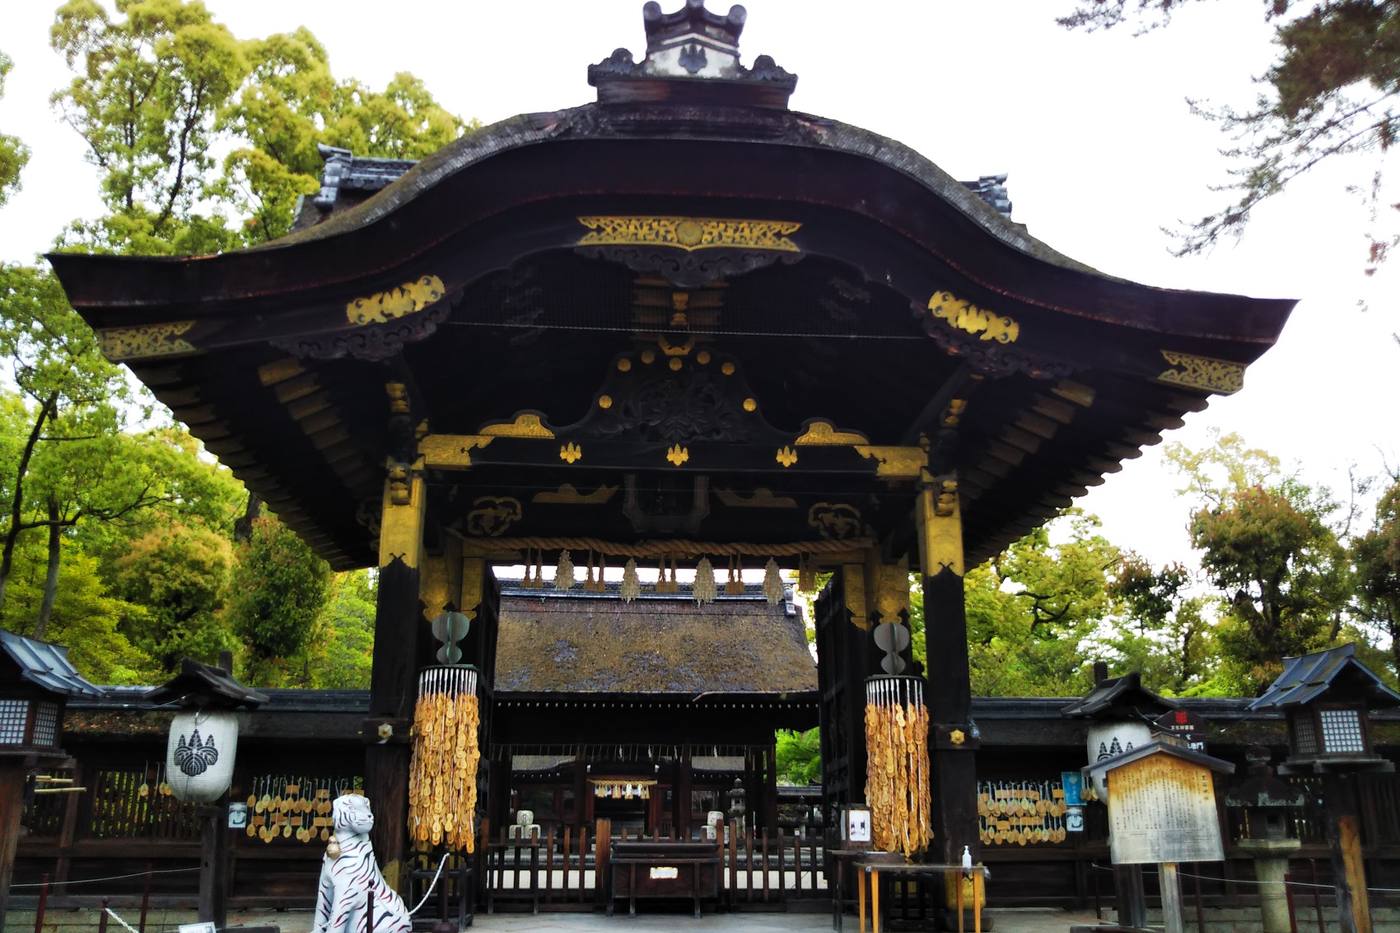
299, 921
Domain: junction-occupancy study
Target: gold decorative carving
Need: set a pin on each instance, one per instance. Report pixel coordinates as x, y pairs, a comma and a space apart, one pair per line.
145, 340
671, 349
675, 364
891, 590
433, 586
953, 414
401, 519
529, 424
624, 365
836, 520
965, 316
689, 233
473, 585
853, 587
762, 498
408, 298
824, 434
957, 737
450, 451
1202, 372
703, 357
648, 356
571, 453
727, 368
398, 397
895, 462
786, 456
568, 495
605, 402
750, 405
939, 517
492, 515
677, 455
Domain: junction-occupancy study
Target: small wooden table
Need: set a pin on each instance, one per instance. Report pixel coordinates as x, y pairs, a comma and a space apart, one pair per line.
869, 871
838, 889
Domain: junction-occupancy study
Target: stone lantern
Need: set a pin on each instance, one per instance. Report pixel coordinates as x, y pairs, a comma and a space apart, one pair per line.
737, 805
1326, 698
36, 680
1265, 801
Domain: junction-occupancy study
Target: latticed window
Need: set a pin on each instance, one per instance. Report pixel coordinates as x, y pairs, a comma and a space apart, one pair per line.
1341, 731
1305, 734
13, 716
46, 724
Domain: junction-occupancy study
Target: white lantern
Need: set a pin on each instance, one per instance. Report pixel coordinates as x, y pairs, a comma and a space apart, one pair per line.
199, 755
1108, 738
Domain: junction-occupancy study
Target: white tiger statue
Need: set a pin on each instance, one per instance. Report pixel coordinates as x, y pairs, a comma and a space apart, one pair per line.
349, 874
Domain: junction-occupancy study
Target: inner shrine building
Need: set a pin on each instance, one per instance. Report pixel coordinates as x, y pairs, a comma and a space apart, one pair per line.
683, 325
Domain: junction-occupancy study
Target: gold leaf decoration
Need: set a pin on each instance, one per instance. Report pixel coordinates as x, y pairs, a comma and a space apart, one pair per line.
568, 495
492, 515
528, 424
145, 340
408, 298
824, 434
965, 316
786, 456
571, 453
1202, 372
677, 455
895, 462
689, 233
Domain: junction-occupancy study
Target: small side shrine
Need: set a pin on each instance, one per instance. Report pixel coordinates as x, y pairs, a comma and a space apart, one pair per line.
36, 682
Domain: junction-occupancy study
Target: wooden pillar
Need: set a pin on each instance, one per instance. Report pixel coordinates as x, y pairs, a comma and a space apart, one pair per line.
949, 691
214, 863
681, 792
582, 813
397, 622
1348, 868
770, 788
12, 775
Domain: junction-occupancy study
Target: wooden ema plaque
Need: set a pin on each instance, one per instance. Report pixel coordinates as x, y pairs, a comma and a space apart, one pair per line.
1162, 809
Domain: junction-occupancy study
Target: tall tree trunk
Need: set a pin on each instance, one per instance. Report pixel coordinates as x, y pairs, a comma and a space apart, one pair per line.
243, 528
51, 579
7, 552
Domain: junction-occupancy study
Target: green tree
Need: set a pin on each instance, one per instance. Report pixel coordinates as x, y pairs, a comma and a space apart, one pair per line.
147, 92
1031, 609
1267, 547
279, 591
1333, 90
1376, 555
1166, 636
13, 153
176, 578
799, 756
339, 655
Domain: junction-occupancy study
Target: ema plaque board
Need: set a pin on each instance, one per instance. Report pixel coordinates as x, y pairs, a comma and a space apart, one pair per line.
1162, 809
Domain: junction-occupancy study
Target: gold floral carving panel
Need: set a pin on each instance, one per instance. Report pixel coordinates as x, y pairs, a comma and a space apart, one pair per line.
145, 340
689, 233
1202, 372
383, 307
966, 316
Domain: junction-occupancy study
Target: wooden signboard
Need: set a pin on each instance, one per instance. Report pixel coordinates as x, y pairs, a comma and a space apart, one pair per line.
1161, 808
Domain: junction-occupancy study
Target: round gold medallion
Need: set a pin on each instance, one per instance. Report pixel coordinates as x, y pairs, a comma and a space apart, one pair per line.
750, 404
624, 365
675, 364
605, 401
689, 233
727, 369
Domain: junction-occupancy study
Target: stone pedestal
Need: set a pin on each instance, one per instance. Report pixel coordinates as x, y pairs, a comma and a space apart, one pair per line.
1270, 865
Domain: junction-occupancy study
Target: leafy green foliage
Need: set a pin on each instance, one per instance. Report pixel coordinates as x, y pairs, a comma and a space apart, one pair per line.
13, 153
176, 578
799, 756
1333, 90
279, 588
1376, 555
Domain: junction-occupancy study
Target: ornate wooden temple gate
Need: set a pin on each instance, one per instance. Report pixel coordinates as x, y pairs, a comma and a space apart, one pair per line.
682, 322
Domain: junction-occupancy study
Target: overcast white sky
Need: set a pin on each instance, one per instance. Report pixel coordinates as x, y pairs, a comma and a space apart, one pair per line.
1094, 131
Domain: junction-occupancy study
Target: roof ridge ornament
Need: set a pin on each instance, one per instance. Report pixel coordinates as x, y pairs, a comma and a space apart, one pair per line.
692, 57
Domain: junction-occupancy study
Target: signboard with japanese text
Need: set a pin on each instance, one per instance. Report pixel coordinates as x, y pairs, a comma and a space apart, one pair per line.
1162, 809
1185, 726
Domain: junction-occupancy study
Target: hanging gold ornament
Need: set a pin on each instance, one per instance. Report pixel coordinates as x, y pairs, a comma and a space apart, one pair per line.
564, 572
772, 582
704, 589
631, 584
446, 753
897, 770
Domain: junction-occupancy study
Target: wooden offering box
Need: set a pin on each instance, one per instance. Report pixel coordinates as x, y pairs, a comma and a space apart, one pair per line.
664, 869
